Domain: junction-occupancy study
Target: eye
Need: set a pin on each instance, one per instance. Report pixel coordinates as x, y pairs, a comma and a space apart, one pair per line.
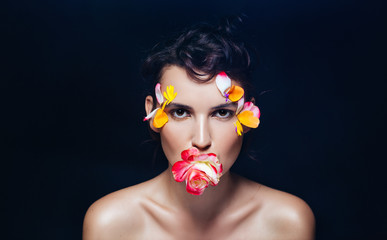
223, 113
179, 113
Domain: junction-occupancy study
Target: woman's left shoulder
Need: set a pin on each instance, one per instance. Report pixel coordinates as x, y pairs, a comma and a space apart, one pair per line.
286, 214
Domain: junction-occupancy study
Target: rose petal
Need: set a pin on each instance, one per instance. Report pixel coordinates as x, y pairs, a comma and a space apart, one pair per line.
180, 169
214, 161
198, 170
202, 157
196, 182
189, 152
208, 170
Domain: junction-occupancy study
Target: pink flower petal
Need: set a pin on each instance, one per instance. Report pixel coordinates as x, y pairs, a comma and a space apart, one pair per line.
215, 161
198, 170
197, 182
207, 169
201, 157
180, 169
249, 106
189, 152
223, 74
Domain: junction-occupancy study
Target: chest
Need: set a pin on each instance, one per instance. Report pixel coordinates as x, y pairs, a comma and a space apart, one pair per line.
231, 226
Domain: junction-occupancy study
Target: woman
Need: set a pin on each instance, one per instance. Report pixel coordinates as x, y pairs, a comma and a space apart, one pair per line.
200, 111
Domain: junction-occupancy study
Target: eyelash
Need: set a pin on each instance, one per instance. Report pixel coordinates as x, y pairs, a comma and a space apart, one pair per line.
229, 113
185, 113
173, 113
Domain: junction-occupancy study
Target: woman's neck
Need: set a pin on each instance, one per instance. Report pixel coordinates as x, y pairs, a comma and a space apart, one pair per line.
206, 206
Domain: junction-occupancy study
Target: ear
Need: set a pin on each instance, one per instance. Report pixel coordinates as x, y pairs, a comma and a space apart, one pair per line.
148, 109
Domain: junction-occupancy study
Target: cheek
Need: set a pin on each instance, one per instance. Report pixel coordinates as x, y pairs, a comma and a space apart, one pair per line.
174, 139
227, 143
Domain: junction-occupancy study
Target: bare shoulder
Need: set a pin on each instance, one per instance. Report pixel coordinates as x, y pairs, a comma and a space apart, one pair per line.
115, 215
286, 216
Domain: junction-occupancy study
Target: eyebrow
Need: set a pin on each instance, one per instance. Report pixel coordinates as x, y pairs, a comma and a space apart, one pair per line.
225, 105
179, 105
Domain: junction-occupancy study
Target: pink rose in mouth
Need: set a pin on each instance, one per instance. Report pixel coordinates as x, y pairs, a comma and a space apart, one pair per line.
198, 170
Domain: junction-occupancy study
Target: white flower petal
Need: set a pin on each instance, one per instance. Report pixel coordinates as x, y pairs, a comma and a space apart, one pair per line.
150, 115
240, 104
159, 95
223, 82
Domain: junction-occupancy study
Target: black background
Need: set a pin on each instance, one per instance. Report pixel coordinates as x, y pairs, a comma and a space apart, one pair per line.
73, 103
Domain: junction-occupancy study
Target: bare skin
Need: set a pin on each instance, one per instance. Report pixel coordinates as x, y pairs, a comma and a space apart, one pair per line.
161, 208
248, 211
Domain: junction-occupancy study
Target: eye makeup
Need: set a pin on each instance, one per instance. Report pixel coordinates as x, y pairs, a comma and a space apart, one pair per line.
222, 112
179, 111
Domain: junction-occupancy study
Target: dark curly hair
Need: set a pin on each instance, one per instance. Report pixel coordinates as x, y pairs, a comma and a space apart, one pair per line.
204, 51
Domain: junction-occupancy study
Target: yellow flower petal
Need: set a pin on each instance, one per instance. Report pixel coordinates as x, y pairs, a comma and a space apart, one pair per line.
247, 118
238, 128
160, 119
169, 94
235, 93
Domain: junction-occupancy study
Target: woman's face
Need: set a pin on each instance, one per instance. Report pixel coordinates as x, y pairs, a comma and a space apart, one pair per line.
198, 117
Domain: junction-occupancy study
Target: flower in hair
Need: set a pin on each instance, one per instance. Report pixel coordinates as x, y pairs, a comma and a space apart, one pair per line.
248, 115
229, 91
198, 170
160, 117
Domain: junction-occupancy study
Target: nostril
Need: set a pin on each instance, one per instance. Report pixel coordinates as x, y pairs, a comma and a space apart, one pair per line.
202, 148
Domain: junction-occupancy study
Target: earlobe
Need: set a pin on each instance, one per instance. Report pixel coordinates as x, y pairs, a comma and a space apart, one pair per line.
148, 109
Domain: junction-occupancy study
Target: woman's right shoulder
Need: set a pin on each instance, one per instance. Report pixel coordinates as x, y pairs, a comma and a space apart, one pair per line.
116, 214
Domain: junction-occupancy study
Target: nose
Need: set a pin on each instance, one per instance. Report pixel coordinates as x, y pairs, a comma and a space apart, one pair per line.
201, 138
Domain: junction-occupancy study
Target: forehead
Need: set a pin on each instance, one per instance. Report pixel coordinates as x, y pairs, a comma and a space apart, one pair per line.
189, 91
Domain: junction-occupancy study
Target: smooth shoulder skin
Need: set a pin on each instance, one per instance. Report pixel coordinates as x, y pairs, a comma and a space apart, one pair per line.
139, 212
286, 216
115, 216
